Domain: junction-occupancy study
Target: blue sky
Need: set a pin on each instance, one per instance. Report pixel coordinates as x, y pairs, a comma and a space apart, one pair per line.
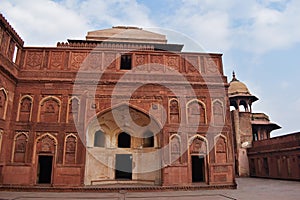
259, 39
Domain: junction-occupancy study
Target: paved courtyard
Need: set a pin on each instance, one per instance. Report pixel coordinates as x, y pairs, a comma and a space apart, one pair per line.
248, 188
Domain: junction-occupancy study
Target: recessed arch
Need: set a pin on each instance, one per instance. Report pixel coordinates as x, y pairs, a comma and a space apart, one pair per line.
70, 149
73, 110
3, 103
218, 112
19, 147
196, 112
52, 111
175, 148
124, 140
221, 148
174, 111
25, 111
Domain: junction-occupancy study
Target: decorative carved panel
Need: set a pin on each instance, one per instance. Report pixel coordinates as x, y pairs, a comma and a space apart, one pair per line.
191, 64
173, 62
198, 146
212, 65
109, 61
77, 59
46, 144
93, 61
56, 59
34, 59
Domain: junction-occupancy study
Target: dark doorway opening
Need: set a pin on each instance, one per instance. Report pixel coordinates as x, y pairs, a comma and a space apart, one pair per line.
198, 169
124, 140
45, 169
124, 166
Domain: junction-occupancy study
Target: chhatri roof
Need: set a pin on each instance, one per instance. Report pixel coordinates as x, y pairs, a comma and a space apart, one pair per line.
126, 34
237, 87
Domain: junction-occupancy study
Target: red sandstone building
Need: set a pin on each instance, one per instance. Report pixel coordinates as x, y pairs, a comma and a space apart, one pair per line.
121, 106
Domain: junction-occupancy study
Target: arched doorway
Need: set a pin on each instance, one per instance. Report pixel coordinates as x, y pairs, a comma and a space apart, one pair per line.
129, 143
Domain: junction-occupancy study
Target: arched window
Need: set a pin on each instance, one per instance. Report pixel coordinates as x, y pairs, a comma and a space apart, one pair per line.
124, 140
99, 140
148, 139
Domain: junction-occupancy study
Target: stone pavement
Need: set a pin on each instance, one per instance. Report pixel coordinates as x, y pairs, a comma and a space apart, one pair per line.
248, 188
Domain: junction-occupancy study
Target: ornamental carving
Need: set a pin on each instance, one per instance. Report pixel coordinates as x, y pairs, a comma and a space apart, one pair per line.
93, 61
77, 59
157, 59
56, 60
46, 144
34, 59
173, 62
192, 64
198, 146
109, 61
140, 60
212, 65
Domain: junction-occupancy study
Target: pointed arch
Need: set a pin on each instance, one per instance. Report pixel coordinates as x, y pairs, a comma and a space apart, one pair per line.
218, 112
48, 143
175, 149
19, 147
221, 148
73, 110
197, 148
25, 108
70, 149
196, 112
124, 140
3, 103
174, 111
49, 109
99, 139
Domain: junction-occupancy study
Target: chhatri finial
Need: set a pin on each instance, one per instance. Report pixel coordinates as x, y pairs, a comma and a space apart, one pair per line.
233, 76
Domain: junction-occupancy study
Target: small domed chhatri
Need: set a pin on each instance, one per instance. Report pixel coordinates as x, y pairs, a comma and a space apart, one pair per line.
236, 87
239, 95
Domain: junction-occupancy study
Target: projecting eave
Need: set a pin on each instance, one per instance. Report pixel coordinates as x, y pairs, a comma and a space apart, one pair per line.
121, 45
266, 124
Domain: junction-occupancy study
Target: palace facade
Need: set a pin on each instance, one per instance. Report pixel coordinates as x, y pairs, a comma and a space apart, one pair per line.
121, 106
